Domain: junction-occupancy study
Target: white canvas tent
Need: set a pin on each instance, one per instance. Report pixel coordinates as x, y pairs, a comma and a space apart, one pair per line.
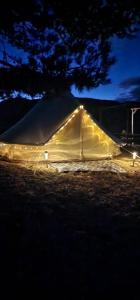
61, 127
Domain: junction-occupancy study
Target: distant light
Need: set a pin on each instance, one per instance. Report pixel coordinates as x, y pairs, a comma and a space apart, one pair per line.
46, 155
81, 106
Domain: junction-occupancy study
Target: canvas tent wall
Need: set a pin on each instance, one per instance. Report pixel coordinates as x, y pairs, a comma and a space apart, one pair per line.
63, 128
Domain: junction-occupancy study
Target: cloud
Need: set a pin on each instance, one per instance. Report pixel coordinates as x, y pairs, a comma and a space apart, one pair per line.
135, 93
130, 89
130, 82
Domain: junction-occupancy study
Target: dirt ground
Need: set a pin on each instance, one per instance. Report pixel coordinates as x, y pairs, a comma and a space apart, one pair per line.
68, 232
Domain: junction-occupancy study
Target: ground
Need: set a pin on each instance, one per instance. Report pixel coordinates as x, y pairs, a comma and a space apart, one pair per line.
70, 231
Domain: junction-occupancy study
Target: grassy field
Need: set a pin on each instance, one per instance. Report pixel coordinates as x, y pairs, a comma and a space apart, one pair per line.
67, 232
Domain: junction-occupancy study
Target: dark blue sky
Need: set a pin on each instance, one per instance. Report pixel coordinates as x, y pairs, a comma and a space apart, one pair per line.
127, 67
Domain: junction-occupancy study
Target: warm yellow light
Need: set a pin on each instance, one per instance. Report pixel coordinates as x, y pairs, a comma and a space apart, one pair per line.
134, 155
81, 106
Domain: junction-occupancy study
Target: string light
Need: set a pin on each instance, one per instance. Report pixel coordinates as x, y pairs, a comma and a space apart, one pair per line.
72, 116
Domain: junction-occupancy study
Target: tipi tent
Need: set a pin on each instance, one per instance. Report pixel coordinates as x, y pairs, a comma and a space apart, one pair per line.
57, 129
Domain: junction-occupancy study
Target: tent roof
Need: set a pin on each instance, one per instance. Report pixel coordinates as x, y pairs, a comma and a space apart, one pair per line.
39, 124
43, 120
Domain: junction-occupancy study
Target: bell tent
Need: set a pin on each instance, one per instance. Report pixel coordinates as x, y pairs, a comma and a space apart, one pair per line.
58, 129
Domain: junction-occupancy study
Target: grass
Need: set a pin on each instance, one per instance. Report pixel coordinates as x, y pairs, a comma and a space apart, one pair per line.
70, 231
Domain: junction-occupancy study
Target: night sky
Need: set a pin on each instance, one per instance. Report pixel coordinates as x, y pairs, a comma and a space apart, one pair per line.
125, 74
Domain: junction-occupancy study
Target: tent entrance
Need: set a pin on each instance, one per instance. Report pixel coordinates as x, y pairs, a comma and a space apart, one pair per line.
80, 138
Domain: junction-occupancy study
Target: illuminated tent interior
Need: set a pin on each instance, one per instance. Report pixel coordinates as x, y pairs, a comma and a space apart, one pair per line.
57, 129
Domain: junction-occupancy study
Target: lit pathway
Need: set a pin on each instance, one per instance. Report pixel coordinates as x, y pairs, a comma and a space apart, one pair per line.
102, 165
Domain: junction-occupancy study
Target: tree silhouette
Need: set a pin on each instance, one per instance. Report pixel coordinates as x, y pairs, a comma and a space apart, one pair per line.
64, 43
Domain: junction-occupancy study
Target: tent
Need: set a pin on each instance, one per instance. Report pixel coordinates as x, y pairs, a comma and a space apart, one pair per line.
57, 129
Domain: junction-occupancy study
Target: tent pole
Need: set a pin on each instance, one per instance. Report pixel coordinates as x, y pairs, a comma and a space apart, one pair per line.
81, 136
